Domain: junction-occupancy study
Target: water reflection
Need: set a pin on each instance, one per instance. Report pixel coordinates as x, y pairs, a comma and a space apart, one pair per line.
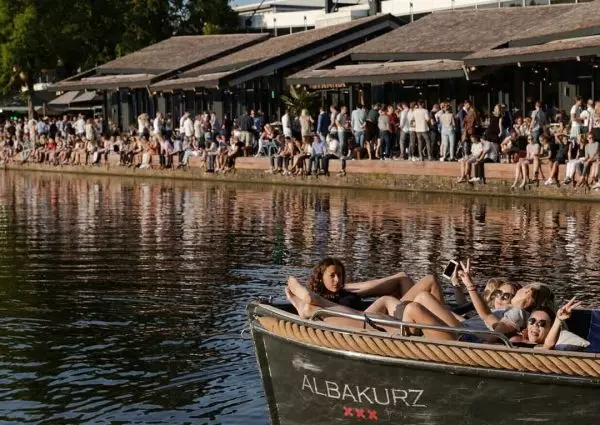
122, 300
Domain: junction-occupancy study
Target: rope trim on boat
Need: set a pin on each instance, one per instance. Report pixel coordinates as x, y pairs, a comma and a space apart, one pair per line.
434, 352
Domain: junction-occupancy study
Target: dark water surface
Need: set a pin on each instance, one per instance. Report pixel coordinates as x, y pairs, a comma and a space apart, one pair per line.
122, 300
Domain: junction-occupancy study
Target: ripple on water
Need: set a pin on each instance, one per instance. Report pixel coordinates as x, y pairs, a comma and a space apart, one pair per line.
123, 301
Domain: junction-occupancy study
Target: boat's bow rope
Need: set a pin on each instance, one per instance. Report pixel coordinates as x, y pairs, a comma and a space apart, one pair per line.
432, 351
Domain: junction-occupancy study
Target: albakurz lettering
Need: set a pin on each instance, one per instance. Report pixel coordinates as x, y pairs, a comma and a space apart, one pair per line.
363, 394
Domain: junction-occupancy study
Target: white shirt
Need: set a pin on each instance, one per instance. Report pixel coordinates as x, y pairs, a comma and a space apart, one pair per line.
182, 122
421, 117
286, 123
188, 127
80, 126
404, 120
157, 125
575, 114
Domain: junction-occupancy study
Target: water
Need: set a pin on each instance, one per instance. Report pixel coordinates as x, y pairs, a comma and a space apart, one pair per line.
122, 300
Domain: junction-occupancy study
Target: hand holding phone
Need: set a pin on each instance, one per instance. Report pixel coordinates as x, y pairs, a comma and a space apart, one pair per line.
450, 269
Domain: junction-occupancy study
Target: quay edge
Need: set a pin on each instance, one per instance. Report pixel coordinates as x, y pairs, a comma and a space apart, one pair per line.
427, 177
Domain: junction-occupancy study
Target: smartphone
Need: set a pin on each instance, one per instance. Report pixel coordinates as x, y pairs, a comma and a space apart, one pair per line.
450, 269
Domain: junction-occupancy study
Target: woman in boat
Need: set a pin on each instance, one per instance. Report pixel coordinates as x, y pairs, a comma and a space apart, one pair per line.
499, 292
429, 311
544, 327
327, 287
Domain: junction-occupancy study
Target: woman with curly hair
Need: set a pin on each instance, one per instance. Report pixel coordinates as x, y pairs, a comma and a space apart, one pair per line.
327, 287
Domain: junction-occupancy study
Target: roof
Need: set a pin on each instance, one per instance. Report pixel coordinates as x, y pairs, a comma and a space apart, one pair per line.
582, 20
380, 72
177, 52
107, 81
64, 99
278, 46
456, 33
88, 96
206, 80
275, 53
568, 48
290, 5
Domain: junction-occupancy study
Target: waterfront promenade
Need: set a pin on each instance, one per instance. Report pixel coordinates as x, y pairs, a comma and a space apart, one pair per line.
436, 177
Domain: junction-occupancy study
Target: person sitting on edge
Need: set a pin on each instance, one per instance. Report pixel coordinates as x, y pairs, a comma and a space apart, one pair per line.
558, 156
466, 162
589, 163
544, 327
576, 157
333, 151
522, 167
509, 148
316, 155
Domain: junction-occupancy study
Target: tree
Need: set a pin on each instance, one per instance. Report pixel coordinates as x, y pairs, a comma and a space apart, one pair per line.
38, 35
23, 55
204, 17
299, 100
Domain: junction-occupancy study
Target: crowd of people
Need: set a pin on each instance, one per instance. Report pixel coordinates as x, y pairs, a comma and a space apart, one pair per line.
524, 314
302, 144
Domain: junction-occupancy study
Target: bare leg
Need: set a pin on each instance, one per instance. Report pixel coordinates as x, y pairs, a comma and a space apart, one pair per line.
429, 284
416, 313
518, 174
437, 308
396, 285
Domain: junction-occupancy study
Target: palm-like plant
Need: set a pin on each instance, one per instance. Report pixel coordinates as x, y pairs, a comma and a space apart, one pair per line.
299, 100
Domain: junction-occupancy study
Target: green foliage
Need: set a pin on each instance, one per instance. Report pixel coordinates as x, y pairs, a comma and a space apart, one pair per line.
79, 34
299, 100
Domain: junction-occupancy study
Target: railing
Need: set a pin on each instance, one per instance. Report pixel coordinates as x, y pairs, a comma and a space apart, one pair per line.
373, 320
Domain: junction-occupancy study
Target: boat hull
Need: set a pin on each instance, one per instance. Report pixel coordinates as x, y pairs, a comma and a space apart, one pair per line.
307, 384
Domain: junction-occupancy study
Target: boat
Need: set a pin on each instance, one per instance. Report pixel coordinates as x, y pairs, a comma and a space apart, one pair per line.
314, 372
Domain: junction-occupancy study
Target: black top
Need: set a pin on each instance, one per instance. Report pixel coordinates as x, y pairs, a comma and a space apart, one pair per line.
492, 133
246, 123
561, 155
348, 299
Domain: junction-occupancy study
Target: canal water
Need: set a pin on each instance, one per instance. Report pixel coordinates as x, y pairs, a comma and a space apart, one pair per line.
122, 300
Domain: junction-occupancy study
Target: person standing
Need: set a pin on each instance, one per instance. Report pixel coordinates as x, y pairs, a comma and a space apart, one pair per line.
421, 117
306, 123
358, 120
343, 124
448, 131
383, 124
538, 121
575, 115
404, 138
246, 124
323, 123
286, 124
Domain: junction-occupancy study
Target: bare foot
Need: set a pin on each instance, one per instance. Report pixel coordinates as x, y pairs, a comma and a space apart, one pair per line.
304, 310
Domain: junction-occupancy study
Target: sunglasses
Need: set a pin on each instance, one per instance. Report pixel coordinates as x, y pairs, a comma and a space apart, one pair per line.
504, 296
539, 323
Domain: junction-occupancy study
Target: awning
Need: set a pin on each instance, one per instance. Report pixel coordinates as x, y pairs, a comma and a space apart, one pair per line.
380, 72
569, 48
64, 99
206, 81
106, 82
86, 97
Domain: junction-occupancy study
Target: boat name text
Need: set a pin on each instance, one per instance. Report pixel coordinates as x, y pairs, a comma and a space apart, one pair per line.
363, 394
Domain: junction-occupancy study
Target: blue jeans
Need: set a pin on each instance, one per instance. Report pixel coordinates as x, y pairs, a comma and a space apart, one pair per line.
317, 159
359, 135
448, 143
386, 141
342, 138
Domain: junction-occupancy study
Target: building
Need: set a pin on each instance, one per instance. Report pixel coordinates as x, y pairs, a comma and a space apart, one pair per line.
285, 16
225, 73
472, 54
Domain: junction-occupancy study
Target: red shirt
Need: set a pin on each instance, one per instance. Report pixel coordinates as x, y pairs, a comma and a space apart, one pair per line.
394, 121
